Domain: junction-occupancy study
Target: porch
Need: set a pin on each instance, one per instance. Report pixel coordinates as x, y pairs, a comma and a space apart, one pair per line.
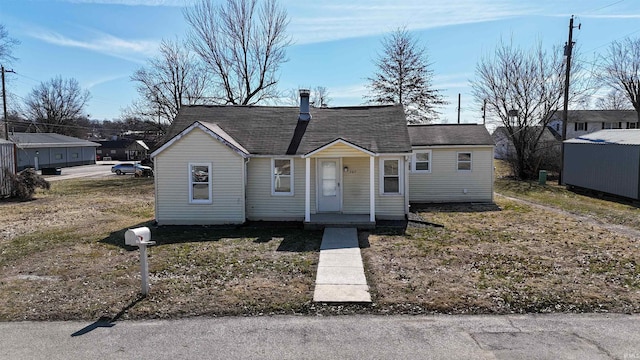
325, 220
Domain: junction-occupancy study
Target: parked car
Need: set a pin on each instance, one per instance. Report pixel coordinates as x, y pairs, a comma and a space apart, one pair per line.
129, 168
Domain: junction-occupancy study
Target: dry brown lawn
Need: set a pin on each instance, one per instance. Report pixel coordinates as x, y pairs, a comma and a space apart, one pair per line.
62, 257
503, 259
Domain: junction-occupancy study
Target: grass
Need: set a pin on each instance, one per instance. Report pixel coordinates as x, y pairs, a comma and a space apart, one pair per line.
510, 259
601, 210
62, 257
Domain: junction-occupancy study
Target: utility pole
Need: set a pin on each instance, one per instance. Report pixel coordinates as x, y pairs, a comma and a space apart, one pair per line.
458, 108
484, 112
568, 50
4, 104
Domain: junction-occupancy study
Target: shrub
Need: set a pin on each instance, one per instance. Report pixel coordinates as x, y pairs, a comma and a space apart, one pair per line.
24, 184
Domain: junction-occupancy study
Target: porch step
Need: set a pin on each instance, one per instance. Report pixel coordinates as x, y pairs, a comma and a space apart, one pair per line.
326, 225
323, 221
340, 276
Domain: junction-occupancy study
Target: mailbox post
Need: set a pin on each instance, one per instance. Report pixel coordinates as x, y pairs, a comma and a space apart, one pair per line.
141, 237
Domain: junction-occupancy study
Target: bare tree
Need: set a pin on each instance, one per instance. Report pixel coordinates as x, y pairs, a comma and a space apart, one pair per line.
404, 77
522, 90
56, 105
170, 80
243, 44
621, 69
614, 100
7, 44
319, 97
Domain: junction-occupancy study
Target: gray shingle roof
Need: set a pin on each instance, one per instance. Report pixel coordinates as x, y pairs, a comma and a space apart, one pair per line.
449, 134
33, 140
275, 130
599, 116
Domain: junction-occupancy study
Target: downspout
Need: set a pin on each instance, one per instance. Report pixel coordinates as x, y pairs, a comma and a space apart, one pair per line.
407, 163
244, 186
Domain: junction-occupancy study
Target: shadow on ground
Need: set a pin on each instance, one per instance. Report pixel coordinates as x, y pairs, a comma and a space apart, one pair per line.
454, 207
292, 237
107, 322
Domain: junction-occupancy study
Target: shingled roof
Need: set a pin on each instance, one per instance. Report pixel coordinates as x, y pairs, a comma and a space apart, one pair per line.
449, 134
598, 116
275, 130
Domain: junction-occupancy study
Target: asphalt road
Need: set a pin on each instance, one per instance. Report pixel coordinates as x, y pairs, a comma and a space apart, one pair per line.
558, 336
101, 169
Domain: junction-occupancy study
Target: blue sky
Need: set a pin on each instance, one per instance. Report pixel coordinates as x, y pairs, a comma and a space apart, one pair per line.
102, 42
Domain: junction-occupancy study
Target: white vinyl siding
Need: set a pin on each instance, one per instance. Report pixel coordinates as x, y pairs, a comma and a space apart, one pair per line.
173, 184
446, 184
356, 186
262, 205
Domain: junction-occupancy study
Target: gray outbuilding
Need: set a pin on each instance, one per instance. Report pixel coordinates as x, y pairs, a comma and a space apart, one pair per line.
44, 150
7, 166
607, 161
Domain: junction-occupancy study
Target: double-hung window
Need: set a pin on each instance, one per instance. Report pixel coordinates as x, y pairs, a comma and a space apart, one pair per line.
282, 176
421, 161
200, 183
391, 176
464, 162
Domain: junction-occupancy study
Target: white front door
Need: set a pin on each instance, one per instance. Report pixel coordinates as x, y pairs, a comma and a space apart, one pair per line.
329, 185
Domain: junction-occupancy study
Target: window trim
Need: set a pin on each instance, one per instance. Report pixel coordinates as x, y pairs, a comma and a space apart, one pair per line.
273, 182
414, 161
400, 176
191, 182
470, 161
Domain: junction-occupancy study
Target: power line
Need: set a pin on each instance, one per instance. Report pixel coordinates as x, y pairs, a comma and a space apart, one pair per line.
606, 6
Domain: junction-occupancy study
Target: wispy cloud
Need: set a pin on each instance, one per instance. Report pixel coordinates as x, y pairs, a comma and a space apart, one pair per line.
335, 19
102, 80
131, 50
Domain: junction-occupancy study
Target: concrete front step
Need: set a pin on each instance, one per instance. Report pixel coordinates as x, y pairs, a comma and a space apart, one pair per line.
340, 276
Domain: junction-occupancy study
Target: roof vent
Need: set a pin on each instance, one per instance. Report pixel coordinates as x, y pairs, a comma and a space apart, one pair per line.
304, 105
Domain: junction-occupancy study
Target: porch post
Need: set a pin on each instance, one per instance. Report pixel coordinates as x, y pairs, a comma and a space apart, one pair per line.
372, 190
307, 190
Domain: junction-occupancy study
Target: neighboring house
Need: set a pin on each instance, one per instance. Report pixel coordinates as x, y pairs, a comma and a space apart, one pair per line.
451, 163
606, 161
229, 164
122, 149
504, 149
581, 122
7, 166
43, 150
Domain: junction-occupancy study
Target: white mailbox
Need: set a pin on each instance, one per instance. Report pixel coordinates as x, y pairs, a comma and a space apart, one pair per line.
141, 237
137, 236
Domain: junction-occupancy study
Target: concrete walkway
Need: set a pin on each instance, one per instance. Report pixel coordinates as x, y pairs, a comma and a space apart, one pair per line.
340, 276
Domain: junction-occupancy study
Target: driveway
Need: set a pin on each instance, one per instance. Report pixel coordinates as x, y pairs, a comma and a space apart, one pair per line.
554, 336
100, 169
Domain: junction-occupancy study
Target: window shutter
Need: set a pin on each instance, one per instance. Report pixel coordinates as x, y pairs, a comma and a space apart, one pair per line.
603, 124
575, 126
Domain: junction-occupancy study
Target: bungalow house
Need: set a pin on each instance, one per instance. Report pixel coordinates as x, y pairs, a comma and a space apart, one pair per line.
229, 164
42, 150
122, 149
581, 122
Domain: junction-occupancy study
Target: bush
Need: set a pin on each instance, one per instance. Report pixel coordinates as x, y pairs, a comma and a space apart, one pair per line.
24, 184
